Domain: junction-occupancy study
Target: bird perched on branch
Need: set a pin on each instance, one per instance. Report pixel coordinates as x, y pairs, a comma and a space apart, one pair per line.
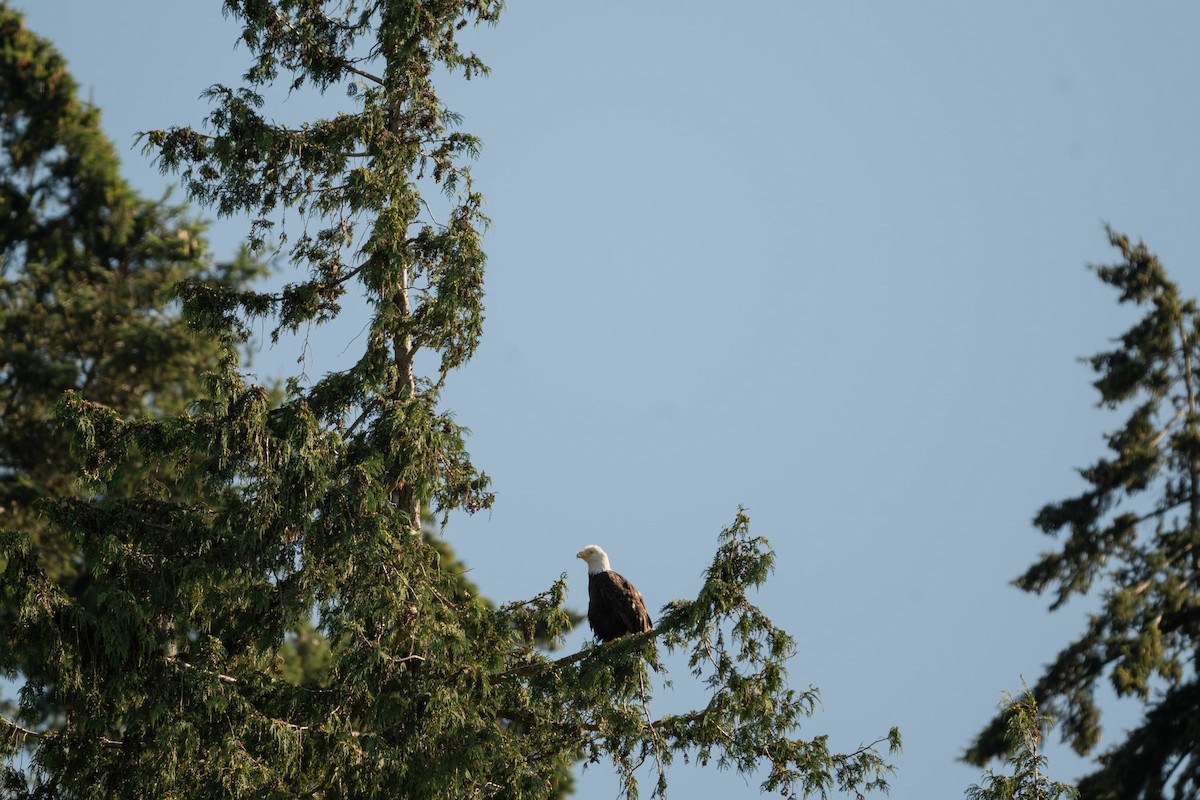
615, 608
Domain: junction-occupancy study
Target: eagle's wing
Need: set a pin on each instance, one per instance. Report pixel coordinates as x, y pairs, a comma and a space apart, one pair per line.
630, 606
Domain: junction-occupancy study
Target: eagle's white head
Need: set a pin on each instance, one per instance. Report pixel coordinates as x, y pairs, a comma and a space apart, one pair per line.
597, 559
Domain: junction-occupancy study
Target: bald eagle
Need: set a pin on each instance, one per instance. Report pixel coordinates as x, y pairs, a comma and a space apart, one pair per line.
615, 608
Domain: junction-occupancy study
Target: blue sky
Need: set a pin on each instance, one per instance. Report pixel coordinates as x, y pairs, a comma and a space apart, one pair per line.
823, 259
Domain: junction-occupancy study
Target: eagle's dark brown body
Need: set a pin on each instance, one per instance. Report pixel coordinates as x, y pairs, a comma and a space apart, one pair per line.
615, 608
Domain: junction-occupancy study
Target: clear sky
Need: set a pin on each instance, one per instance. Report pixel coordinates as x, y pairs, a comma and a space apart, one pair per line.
820, 258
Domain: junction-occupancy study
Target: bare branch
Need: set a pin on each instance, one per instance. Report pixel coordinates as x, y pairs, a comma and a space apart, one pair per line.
20, 732
23, 733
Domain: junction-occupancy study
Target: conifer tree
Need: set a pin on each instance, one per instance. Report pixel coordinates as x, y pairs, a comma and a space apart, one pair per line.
86, 299
87, 273
1132, 538
1024, 726
167, 668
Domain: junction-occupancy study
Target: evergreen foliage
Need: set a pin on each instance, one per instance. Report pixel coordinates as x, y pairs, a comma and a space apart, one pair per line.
86, 280
1133, 538
246, 524
86, 305
1023, 734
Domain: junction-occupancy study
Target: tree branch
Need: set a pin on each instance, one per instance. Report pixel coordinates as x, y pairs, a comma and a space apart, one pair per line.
18, 731
347, 64
23, 733
544, 666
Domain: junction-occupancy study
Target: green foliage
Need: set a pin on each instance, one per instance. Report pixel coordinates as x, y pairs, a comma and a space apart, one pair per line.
88, 271
740, 655
1023, 732
600, 699
262, 616
355, 178
1133, 538
86, 306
